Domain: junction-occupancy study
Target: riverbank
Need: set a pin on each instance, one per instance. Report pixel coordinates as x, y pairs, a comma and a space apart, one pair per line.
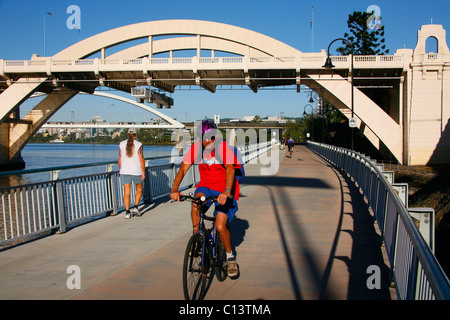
84, 141
146, 136
430, 187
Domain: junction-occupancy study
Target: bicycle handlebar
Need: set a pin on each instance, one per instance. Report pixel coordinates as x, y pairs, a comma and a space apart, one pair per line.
201, 200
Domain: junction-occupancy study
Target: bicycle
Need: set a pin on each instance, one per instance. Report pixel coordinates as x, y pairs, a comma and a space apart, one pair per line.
203, 251
291, 149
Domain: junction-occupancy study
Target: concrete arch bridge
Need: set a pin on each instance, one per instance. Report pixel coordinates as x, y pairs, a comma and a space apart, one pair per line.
401, 101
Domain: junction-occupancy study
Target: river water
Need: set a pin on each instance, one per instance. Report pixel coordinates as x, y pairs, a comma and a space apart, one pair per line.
46, 155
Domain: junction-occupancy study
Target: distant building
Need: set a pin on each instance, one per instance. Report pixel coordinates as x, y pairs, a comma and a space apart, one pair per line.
247, 118
270, 119
274, 119
157, 121
94, 131
115, 134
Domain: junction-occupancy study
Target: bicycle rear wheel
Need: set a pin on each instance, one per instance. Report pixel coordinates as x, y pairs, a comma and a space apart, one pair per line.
195, 269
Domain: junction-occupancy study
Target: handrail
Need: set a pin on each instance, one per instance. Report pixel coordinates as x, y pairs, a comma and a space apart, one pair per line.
406, 271
188, 60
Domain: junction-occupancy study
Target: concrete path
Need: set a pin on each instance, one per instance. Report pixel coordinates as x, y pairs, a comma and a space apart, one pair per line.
304, 233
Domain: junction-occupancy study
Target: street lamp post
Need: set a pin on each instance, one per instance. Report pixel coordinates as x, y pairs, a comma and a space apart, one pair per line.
312, 118
312, 100
328, 64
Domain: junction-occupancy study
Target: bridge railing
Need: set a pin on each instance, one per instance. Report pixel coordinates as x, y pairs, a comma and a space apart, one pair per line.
35, 209
38, 208
313, 60
414, 268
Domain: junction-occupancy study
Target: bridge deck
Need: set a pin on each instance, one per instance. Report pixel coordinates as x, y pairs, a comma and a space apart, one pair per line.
304, 233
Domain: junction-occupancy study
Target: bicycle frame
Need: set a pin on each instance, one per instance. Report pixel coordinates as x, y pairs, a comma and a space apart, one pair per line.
212, 253
210, 234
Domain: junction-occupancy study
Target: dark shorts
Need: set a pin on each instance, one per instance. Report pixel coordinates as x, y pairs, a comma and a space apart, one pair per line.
229, 208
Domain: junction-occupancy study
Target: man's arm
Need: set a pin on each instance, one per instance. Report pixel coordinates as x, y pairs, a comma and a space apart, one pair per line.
174, 194
229, 180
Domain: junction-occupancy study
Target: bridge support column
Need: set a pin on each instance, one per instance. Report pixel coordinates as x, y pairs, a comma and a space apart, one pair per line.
14, 136
16, 94
10, 101
5, 163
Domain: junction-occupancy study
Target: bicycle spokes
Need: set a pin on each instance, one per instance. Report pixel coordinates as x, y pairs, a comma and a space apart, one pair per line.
194, 269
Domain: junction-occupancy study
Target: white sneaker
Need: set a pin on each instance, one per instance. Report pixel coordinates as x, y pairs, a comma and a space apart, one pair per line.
135, 212
128, 215
233, 268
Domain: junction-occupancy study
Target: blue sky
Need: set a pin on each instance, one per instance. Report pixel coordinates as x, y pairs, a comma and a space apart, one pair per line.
288, 21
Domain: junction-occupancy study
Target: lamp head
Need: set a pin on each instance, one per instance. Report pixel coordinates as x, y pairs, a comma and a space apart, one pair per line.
328, 64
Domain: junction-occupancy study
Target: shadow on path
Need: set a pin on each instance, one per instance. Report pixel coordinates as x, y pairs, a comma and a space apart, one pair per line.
365, 247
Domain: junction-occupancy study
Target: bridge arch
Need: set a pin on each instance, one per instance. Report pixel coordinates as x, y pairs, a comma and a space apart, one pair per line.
431, 45
256, 43
431, 31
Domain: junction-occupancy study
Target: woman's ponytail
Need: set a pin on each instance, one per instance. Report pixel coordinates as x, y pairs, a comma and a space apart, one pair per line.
130, 146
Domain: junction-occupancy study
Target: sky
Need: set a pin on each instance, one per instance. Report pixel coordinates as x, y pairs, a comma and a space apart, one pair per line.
289, 21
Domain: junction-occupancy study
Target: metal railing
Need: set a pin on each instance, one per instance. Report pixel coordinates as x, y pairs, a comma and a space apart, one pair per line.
414, 269
38, 208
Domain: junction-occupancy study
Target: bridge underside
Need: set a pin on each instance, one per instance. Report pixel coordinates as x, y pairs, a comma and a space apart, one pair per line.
168, 80
377, 104
334, 87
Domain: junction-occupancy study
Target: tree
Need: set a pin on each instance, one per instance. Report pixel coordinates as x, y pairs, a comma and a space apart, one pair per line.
365, 41
256, 119
295, 129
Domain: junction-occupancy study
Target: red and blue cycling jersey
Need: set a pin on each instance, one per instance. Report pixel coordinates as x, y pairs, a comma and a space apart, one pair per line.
211, 167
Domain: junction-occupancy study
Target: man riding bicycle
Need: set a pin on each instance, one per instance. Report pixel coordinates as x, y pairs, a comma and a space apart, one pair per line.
217, 163
290, 146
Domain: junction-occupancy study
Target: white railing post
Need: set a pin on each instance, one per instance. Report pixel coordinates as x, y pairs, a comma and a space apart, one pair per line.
60, 207
59, 199
112, 186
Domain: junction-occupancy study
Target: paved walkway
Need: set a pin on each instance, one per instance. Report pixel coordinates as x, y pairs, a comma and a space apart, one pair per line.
304, 233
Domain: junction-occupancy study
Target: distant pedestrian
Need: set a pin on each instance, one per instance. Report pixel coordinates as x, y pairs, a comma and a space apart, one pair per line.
283, 143
131, 169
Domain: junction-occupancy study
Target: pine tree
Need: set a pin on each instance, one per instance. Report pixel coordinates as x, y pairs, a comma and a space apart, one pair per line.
365, 41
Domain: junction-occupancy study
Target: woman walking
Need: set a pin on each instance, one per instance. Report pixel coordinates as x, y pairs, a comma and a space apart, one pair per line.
131, 169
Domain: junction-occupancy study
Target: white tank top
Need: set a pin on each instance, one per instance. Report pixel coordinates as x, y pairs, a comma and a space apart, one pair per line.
130, 165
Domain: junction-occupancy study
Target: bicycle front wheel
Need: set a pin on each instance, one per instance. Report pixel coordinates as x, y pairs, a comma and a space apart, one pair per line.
220, 267
195, 269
